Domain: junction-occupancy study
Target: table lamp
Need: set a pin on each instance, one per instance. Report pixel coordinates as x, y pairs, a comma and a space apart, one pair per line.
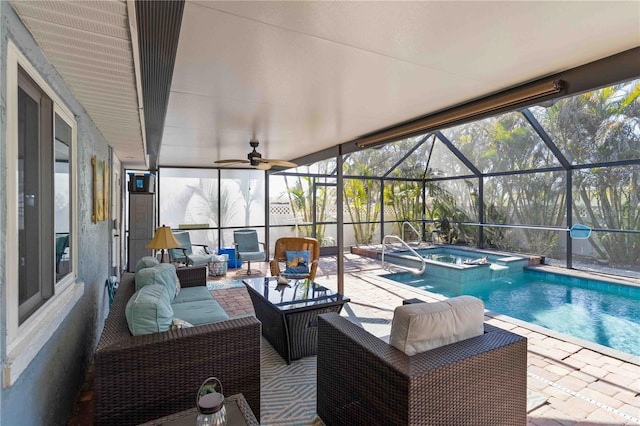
163, 239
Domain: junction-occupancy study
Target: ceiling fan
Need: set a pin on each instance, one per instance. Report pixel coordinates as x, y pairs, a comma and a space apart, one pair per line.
254, 158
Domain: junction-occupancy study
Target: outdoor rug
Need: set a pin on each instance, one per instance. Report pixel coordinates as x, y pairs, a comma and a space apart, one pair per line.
223, 285
288, 392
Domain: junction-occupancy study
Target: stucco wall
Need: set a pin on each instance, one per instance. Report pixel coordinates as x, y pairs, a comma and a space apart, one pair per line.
45, 392
3, 193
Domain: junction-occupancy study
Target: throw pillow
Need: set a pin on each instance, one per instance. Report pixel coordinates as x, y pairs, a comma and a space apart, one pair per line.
177, 323
297, 262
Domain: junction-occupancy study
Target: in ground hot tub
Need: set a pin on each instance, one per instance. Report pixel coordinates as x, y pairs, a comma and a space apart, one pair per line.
459, 265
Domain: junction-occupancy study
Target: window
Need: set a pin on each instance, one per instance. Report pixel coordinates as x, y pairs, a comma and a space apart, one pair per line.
35, 149
41, 188
44, 171
214, 201
61, 197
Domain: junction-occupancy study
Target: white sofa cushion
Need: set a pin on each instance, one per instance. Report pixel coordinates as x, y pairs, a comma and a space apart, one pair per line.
418, 327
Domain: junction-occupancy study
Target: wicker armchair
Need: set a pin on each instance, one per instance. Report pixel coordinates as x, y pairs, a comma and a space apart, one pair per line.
140, 378
362, 380
295, 244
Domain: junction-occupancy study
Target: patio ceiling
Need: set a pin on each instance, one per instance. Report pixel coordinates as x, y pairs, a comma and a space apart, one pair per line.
305, 76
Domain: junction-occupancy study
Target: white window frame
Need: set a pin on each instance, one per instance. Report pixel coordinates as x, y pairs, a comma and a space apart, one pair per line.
24, 341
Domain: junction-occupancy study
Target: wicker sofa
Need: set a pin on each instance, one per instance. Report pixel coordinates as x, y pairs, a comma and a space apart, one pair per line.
140, 378
362, 380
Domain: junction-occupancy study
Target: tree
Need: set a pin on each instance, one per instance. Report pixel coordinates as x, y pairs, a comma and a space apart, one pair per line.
362, 201
599, 127
362, 197
300, 195
405, 199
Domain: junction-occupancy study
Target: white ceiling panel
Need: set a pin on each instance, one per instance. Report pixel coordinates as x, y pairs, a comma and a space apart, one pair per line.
305, 76
459, 37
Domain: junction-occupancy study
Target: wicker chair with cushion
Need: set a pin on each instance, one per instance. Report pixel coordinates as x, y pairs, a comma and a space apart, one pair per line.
295, 244
362, 380
141, 378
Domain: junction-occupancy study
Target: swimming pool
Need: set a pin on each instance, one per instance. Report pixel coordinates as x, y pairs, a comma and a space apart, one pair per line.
592, 310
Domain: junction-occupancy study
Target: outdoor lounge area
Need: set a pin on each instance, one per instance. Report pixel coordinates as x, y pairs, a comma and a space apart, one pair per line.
319, 212
567, 383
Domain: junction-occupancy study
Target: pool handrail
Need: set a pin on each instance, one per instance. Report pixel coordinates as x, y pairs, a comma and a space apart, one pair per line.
415, 253
413, 229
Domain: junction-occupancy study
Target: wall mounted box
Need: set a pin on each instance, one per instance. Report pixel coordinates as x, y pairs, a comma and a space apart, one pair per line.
142, 183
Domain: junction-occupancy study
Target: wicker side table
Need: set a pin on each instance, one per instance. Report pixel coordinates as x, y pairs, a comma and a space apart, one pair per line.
238, 414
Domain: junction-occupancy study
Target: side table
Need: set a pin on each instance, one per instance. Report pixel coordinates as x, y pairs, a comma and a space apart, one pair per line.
289, 313
238, 414
192, 275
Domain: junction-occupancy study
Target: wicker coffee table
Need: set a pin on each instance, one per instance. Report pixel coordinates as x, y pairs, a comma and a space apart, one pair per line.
289, 313
238, 414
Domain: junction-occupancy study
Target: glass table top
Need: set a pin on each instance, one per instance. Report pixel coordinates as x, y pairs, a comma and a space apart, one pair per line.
298, 293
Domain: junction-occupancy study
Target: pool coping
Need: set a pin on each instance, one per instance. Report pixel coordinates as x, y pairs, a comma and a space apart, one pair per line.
605, 350
589, 275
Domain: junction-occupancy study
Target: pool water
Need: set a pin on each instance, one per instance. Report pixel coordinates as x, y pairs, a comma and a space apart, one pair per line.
597, 311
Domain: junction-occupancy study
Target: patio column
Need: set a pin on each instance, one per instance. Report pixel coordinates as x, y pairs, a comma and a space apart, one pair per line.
340, 220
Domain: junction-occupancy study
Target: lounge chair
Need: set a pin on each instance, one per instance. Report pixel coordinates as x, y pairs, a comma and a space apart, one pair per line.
184, 254
363, 380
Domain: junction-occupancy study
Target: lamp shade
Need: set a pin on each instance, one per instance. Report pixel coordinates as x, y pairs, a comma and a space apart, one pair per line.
163, 239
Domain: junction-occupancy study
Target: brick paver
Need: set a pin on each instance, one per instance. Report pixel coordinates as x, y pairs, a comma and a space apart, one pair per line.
235, 301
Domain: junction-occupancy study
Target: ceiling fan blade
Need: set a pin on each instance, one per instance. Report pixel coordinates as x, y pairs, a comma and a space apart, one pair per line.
230, 161
256, 160
280, 163
263, 166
